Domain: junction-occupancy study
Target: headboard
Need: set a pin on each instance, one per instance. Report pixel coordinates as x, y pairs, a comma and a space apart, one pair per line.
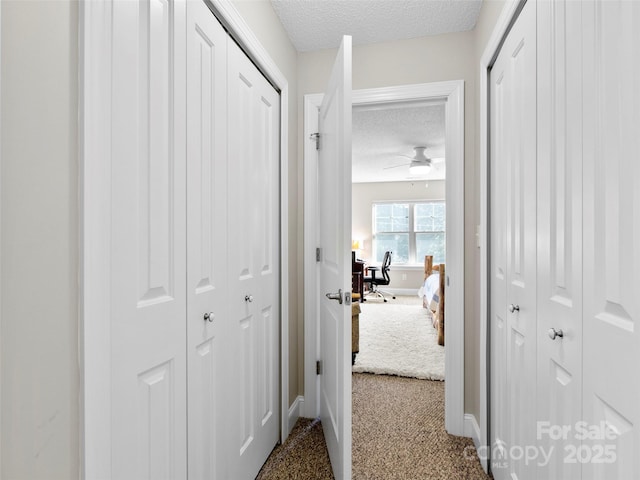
429, 267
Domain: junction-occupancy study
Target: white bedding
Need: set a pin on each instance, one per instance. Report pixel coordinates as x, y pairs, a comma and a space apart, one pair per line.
430, 287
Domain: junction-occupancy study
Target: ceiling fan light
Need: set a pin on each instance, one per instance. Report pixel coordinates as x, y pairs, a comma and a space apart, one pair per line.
419, 169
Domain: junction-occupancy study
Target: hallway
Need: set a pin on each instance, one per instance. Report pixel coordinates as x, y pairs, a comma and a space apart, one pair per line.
398, 433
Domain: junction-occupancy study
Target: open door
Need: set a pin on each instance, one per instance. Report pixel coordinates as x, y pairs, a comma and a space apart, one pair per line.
334, 205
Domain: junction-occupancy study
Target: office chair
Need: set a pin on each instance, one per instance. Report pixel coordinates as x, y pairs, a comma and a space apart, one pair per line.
374, 281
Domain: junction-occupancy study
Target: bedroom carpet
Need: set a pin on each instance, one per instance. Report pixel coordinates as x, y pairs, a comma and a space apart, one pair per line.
397, 338
398, 434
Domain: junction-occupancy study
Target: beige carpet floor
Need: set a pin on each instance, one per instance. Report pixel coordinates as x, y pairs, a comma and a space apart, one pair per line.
303, 456
398, 433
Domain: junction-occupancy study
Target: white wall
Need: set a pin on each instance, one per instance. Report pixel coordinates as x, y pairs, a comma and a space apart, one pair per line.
363, 197
264, 23
39, 331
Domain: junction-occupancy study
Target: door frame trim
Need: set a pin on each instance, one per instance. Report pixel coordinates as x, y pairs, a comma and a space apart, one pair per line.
507, 17
453, 93
94, 342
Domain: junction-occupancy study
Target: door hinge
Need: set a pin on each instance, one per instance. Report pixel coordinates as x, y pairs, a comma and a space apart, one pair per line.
318, 367
318, 254
316, 137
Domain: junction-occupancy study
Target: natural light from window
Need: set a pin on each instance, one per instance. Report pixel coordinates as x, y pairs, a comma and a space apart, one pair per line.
410, 230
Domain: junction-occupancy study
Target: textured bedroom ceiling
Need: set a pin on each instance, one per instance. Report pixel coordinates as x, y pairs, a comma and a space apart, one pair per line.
382, 134
319, 24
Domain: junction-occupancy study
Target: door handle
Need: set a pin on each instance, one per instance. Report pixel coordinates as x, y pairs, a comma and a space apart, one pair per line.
553, 333
336, 296
208, 317
514, 308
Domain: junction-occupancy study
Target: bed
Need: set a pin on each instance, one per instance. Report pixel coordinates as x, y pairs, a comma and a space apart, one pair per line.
433, 294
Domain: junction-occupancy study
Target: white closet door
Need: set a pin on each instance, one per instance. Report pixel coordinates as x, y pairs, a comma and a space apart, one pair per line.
148, 361
500, 138
514, 74
253, 256
559, 233
611, 149
207, 288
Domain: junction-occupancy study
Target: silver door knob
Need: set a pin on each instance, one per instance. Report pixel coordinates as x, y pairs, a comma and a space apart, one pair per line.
553, 333
514, 308
248, 298
336, 296
208, 317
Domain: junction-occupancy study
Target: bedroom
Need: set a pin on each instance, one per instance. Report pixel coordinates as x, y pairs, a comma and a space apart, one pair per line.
398, 206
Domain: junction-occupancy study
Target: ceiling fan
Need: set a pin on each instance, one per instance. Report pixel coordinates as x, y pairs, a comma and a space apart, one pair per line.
420, 164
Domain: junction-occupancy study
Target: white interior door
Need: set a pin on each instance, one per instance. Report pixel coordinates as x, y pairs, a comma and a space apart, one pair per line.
254, 265
611, 148
334, 204
148, 335
559, 232
513, 79
207, 287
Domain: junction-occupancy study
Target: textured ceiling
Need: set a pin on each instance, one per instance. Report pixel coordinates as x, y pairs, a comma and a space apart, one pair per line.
382, 134
319, 24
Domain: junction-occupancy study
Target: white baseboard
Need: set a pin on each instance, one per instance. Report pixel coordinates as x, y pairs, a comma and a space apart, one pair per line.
294, 412
401, 291
472, 429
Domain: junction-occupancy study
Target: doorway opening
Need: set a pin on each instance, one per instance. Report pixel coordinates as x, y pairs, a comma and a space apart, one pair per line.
398, 221
451, 95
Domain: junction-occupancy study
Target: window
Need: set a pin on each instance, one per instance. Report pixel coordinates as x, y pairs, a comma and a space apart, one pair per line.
410, 231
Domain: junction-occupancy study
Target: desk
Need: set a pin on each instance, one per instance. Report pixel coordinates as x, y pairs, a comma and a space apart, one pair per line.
357, 276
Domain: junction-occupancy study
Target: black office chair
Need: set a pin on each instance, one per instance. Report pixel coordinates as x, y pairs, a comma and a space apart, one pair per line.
374, 282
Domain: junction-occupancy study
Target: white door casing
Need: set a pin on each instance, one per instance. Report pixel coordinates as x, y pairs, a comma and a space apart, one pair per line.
559, 232
334, 217
254, 264
611, 235
208, 314
452, 92
148, 261
514, 92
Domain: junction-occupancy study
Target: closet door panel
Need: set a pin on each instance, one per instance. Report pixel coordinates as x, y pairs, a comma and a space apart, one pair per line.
148, 381
514, 76
207, 286
520, 68
253, 239
559, 232
611, 235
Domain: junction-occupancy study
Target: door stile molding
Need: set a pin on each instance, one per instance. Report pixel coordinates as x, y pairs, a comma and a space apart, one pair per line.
311, 406
95, 39
453, 93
